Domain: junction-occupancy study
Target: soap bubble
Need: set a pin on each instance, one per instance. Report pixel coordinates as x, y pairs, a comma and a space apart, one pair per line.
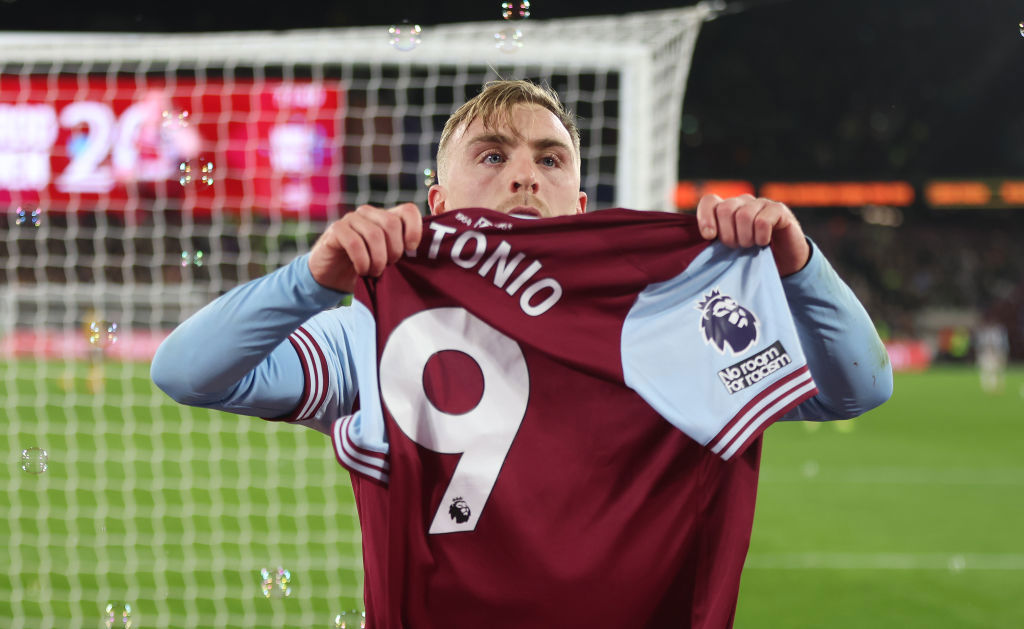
102, 334
206, 172
515, 10
200, 168
429, 177
25, 217
352, 619
275, 582
34, 460
192, 258
266, 582
176, 131
284, 580
117, 615
404, 36
508, 39
172, 120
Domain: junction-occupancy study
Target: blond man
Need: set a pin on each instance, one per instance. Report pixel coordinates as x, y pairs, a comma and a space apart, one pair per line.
561, 492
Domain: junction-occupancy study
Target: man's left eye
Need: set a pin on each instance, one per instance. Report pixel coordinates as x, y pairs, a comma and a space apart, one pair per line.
549, 161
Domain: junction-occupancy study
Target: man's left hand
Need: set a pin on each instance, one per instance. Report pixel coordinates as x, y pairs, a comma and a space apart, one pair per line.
745, 221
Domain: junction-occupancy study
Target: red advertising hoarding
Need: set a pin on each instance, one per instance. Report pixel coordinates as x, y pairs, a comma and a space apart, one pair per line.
122, 143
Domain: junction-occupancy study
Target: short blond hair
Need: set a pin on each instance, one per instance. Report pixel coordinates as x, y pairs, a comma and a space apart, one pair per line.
497, 99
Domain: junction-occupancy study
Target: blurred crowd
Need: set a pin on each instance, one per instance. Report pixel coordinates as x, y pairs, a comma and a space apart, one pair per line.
934, 277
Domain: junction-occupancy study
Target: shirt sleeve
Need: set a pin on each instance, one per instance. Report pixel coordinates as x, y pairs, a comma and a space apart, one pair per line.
246, 353
844, 353
714, 350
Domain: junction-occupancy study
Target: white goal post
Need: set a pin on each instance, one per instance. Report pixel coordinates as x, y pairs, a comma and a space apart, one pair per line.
144, 174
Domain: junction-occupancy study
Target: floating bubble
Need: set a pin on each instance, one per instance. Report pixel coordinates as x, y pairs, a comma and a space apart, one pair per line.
24, 217
192, 259
102, 334
266, 582
173, 125
352, 619
206, 172
118, 615
275, 583
284, 580
176, 132
1020, 27
404, 36
515, 10
429, 177
34, 460
172, 119
203, 168
508, 39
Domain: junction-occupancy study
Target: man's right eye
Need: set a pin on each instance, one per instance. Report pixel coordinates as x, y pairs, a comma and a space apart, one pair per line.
492, 158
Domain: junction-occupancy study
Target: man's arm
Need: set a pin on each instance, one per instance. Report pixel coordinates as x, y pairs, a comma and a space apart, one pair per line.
234, 354
844, 353
847, 359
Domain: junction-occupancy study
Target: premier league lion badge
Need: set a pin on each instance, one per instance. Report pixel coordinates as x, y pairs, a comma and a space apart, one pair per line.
725, 322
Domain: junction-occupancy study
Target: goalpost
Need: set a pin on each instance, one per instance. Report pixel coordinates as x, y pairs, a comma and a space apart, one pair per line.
143, 175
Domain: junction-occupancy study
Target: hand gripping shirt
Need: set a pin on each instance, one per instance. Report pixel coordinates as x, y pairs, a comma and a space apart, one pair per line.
558, 420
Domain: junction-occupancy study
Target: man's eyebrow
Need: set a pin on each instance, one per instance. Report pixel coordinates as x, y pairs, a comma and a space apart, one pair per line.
505, 140
492, 138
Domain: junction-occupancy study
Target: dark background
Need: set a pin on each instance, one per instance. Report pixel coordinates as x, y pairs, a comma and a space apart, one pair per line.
780, 89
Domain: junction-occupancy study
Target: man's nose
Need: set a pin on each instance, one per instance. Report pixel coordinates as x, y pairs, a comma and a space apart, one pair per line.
524, 176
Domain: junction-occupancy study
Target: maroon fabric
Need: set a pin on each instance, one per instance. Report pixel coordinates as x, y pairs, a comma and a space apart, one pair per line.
603, 514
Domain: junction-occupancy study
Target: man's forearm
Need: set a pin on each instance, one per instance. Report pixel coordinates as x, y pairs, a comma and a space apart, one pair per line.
211, 359
844, 353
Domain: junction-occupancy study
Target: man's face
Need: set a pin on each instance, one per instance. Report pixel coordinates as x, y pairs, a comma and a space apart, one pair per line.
526, 167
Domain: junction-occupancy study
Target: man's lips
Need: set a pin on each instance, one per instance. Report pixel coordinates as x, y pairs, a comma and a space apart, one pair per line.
525, 209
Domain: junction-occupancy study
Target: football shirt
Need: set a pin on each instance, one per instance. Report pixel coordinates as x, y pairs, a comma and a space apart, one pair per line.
559, 420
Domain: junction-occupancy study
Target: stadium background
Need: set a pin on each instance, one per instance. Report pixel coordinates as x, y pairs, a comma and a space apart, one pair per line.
907, 517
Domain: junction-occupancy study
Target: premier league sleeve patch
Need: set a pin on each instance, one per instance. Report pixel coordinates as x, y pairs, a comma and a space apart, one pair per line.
725, 323
733, 329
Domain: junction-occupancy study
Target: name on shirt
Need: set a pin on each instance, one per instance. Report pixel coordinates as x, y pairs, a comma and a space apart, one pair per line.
471, 250
751, 370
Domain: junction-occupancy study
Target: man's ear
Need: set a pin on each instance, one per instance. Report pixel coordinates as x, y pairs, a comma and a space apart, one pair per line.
437, 198
581, 205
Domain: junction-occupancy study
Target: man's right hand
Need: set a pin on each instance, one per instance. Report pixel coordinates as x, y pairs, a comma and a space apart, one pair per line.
362, 243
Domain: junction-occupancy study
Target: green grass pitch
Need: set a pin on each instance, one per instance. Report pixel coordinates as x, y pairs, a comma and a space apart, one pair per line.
910, 516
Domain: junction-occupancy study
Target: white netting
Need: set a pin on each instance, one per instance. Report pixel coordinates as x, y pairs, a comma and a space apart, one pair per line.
141, 176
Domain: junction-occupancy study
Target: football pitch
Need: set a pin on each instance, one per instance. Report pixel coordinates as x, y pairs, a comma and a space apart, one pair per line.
910, 516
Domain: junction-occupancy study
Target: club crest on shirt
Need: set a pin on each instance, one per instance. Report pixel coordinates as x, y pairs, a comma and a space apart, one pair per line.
725, 322
459, 510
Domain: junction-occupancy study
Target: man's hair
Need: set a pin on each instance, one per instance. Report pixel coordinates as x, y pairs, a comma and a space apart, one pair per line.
497, 100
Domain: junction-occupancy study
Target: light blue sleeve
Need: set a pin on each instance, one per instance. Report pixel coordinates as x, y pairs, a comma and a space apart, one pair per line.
714, 350
846, 357
235, 354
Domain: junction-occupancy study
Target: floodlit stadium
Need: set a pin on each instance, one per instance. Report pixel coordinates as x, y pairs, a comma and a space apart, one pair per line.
146, 170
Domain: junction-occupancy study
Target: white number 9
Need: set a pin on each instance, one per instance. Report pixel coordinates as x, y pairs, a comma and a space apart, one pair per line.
484, 434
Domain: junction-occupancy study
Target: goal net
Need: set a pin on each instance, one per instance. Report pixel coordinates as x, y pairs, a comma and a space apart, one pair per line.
143, 175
